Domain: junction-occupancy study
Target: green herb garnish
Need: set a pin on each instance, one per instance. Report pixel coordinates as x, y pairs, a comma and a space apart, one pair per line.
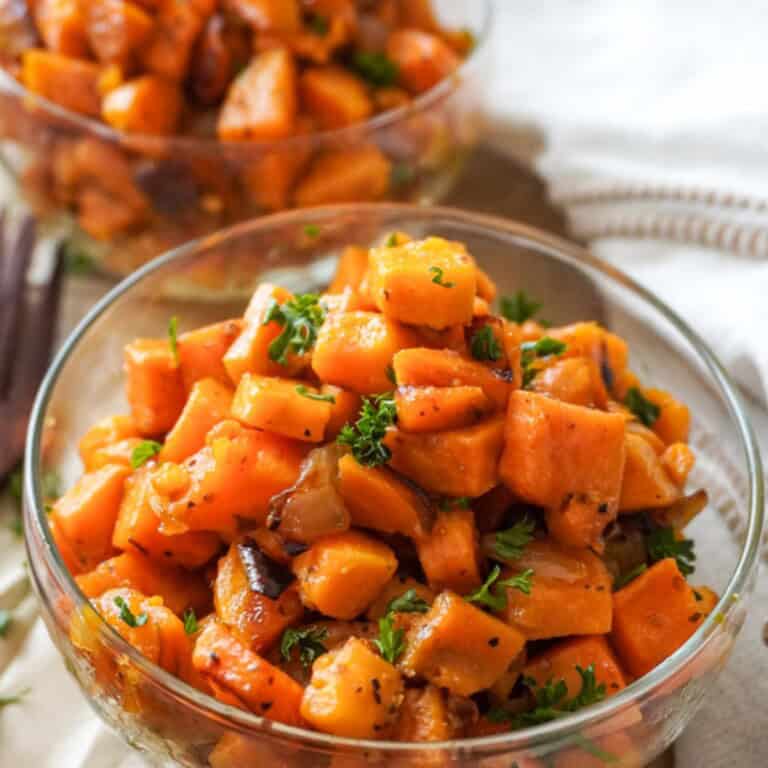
311, 230
365, 436
391, 374
644, 409
662, 543
460, 502
391, 241
127, 615
5, 622
190, 621
76, 261
144, 451
300, 318
408, 602
484, 345
493, 593
629, 576
310, 395
173, 330
438, 278
519, 307
375, 67
509, 544
534, 350
390, 641
308, 640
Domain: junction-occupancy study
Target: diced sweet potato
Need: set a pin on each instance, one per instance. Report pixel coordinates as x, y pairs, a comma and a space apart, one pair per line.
62, 26
201, 352
423, 59
560, 661
421, 367
86, 514
71, 83
103, 216
678, 459
262, 101
377, 498
153, 385
344, 176
269, 15
254, 619
351, 270
234, 475
68, 554
567, 458
449, 554
344, 408
397, 587
653, 616
148, 105
270, 179
353, 692
120, 453
574, 380
107, 431
674, 421
239, 676
646, 484
570, 593
138, 528
433, 409
457, 462
424, 716
428, 282
459, 647
208, 404
278, 405
355, 349
179, 588
116, 30
334, 96
342, 575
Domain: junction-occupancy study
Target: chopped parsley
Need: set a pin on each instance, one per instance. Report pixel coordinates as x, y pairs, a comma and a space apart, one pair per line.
311, 230
391, 641
484, 345
493, 593
308, 393
642, 407
318, 24
144, 451
127, 615
76, 260
308, 640
365, 436
509, 544
190, 621
5, 622
6, 701
546, 346
438, 278
663, 543
408, 602
391, 241
519, 307
173, 341
460, 502
629, 576
300, 318
391, 375
377, 68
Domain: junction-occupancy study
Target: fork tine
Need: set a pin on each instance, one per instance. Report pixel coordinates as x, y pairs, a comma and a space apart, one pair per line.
14, 264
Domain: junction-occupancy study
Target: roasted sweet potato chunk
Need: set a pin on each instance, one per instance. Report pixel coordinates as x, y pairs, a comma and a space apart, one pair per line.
147, 105
201, 352
71, 83
645, 484
423, 59
433, 409
334, 96
105, 432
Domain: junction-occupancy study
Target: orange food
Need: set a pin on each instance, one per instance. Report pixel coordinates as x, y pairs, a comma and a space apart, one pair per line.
334, 96
423, 59
117, 29
201, 352
104, 433
646, 483
147, 105
674, 420
433, 409
71, 83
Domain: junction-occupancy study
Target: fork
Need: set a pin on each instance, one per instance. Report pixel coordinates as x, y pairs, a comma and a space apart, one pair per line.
28, 312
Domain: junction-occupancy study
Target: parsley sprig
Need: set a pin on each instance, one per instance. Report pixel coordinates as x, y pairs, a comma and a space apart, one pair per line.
309, 641
438, 278
190, 622
300, 318
493, 593
662, 543
391, 640
459, 502
509, 544
642, 407
144, 451
5, 622
519, 307
408, 602
484, 345
546, 346
310, 395
365, 436
173, 338
377, 68
128, 616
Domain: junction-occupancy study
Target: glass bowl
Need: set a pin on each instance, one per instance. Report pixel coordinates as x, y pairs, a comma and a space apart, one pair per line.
122, 199
175, 724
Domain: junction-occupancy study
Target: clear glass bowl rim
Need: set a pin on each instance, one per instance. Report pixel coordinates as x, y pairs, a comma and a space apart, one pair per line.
336, 137
525, 738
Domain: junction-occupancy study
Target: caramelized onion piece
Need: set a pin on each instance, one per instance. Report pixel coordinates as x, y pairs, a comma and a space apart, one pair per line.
265, 576
679, 514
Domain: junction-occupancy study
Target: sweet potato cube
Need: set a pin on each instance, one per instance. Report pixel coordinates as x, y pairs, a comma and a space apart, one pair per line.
341, 575
355, 349
85, 515
70, 83
566, 458
645, 483
449, 554
459, 647
138, 528
560, 661
344, 408
62, 26
428, 282
254, 619
282, 406
262, 102
574, 380
116, 30
653, 616
353, 692
240, 677
424, 716
422, 59
120, 453
674, 422
422, 367
351, 270
678, 459
105, 432
570, 593
208, 404
345, 176
269, 15
457, 462
334, 96
179, 588
376, 498
201, 352
148, 105
153, 385
433, 409
234, 475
